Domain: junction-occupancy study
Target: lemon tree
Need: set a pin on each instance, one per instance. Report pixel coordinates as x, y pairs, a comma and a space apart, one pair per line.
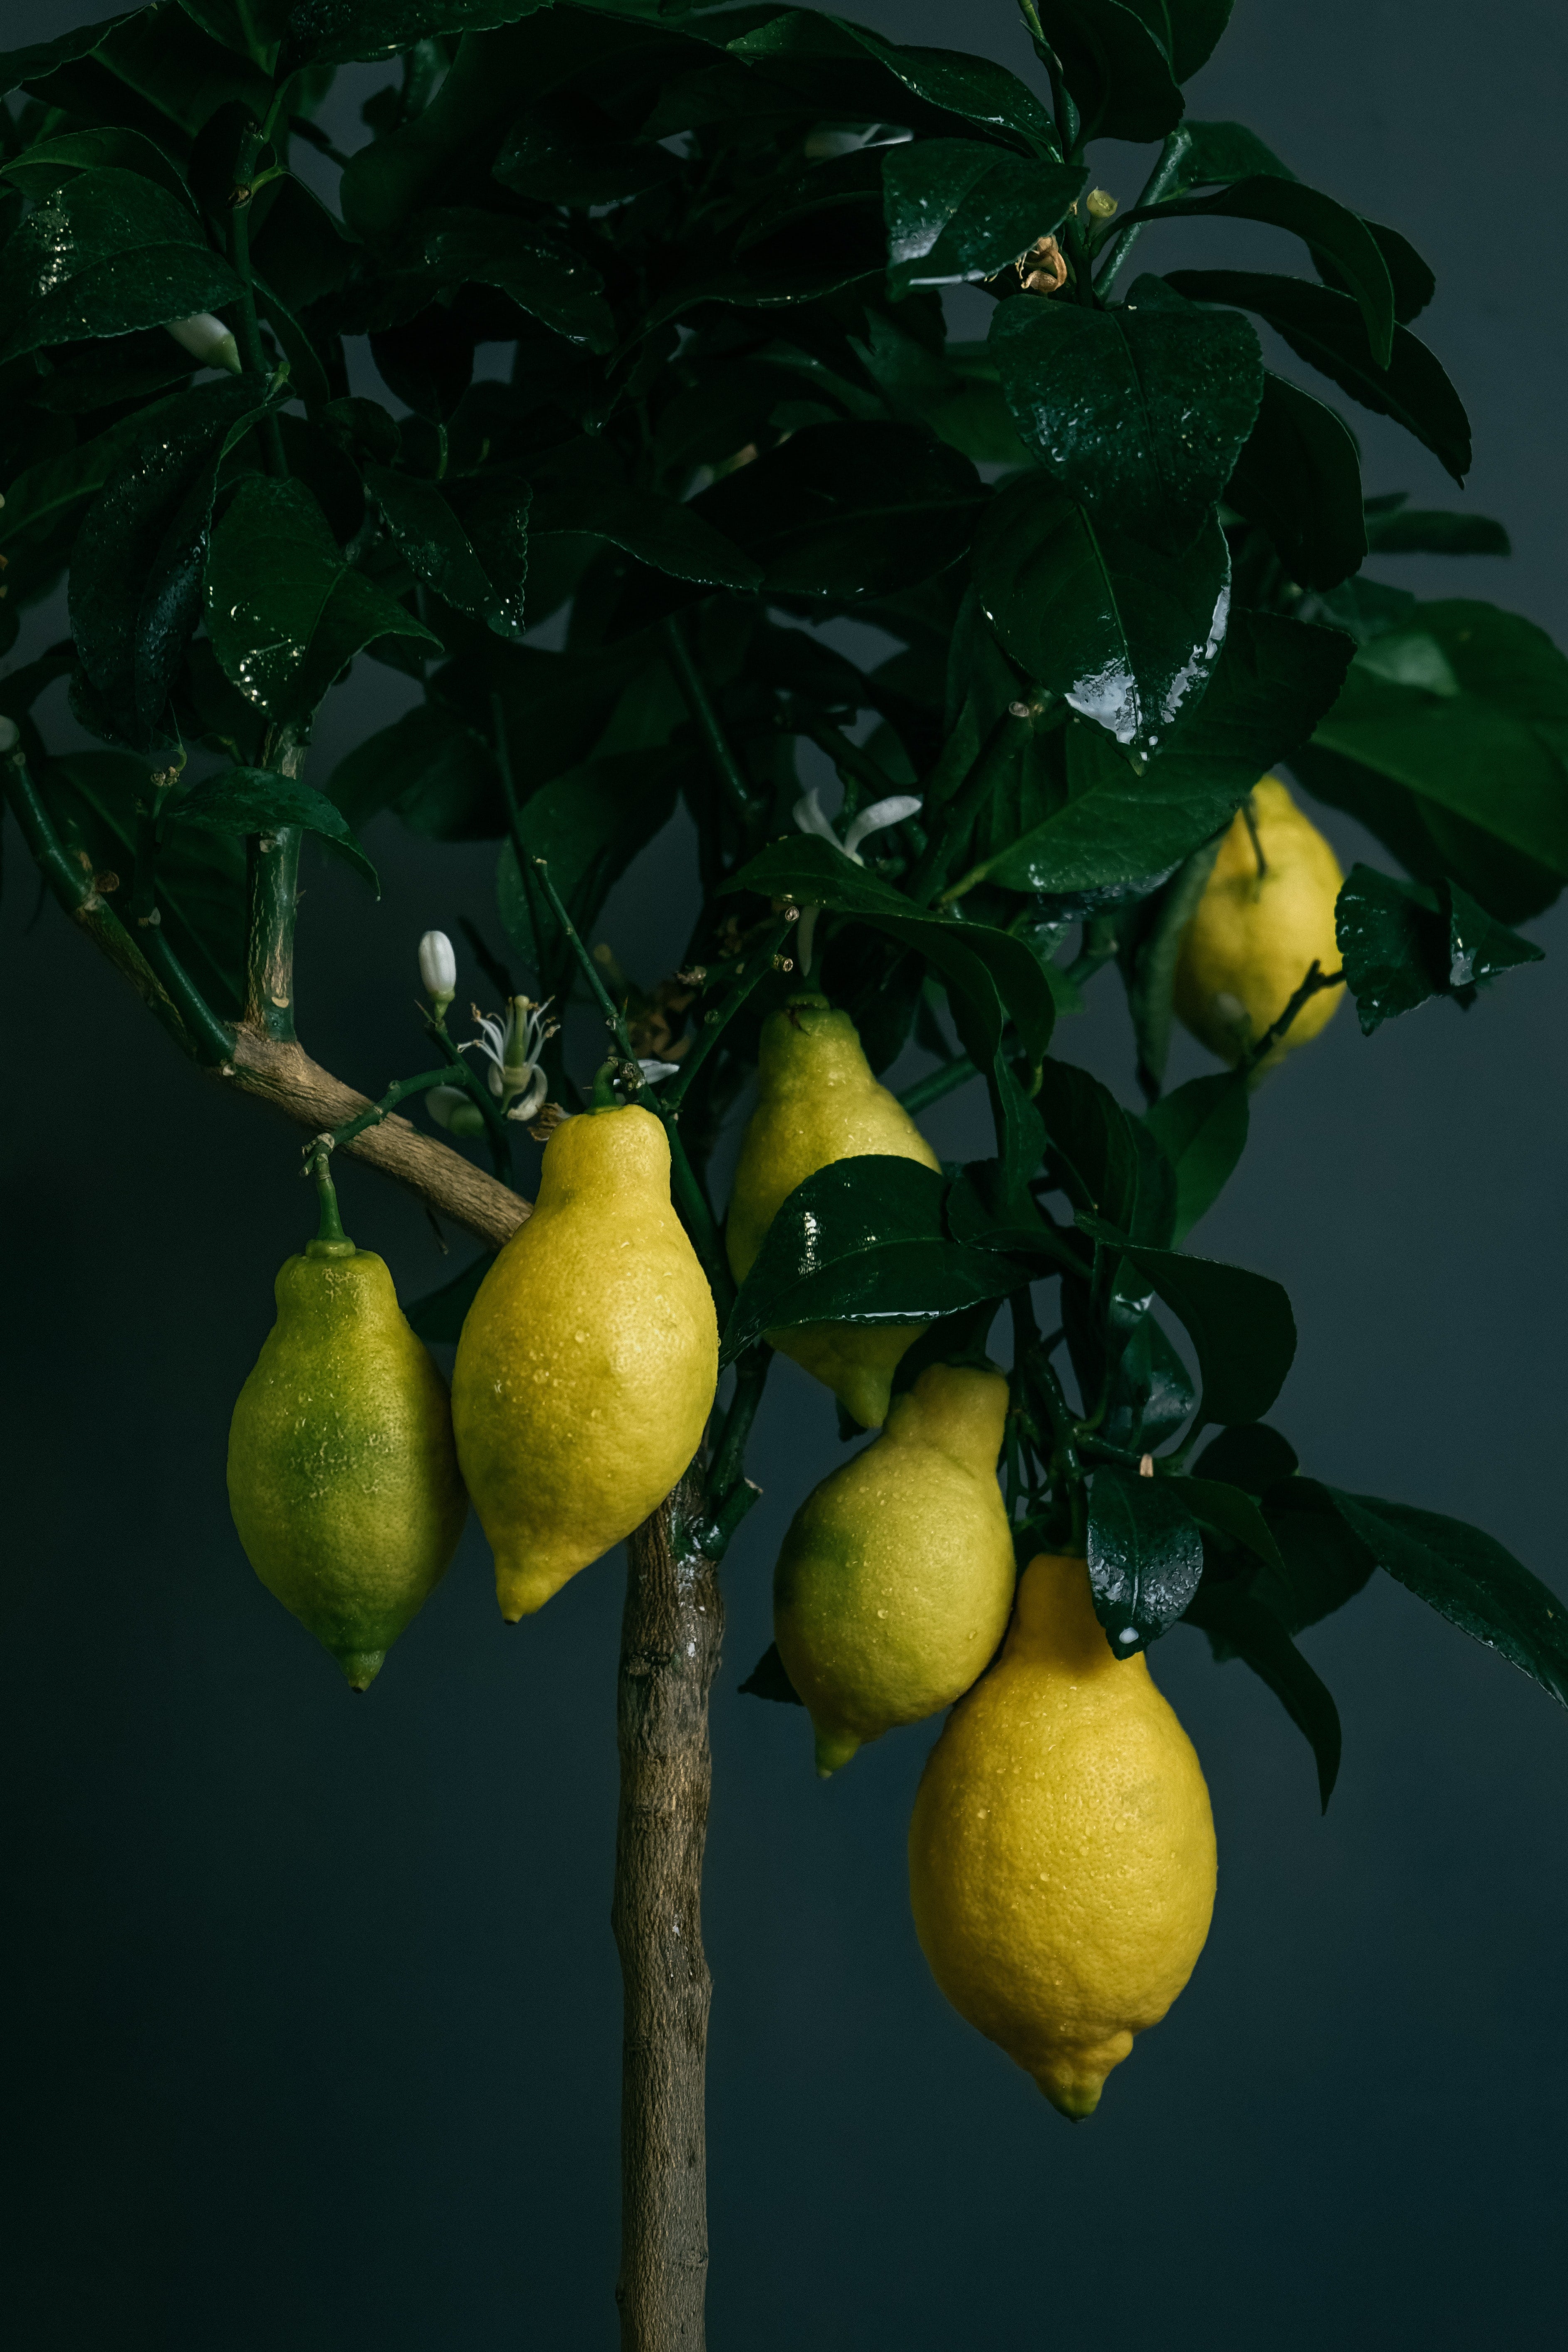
1116, 654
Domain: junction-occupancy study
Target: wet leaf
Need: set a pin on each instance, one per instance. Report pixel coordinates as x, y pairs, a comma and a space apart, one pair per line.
256, 800
1116, 66
1232, 1512
1325, 328
957, 209
1322, 1565
1401, 943
1140, 412
1145, 1557
286, 611
343, 32
862, 1241
1471, 1580
1240, 1324
108, 253
1344, 239
440, 553
540, 272
1128, 636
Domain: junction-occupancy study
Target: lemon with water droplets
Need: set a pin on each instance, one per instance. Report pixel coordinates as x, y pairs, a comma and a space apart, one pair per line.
1062, 1848
817, 1102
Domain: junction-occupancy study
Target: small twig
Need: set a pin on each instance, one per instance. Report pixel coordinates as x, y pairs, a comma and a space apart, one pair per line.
376, 1111
715, 1022
937, 1082
247, 329
1173, 155
956, 814
1249, 818
709, 725
1317, 979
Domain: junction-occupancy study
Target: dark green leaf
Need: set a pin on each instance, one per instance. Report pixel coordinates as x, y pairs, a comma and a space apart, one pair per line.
1139, 413
1341, 238
1413, 283
1298, 478
1094, 1156
851, 510
862, 1241
1325, 328
256, 800
1145, 1557
1126, 635
340, 32
1401, 943
43, 57
668, 535
1230, 1511
135, 587
1494, 754
1413, 531
1203, 1127
51, 162
1149, 1395
431, 771
285, 610
547, 157
1323, 1564
46, 490
974, 89
1251, 1455
1471, 1580
768, 1678
540, 272
588, 824
1240, 1626
439, 1313
957, 209
1193, 30
440, 553
1240, 1324
1151, 945
108, 253
1118, 69
1204, 152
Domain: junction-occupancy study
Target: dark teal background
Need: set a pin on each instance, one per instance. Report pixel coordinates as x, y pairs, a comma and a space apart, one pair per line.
311, 2012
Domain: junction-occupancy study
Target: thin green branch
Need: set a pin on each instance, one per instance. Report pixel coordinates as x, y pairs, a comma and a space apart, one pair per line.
1316, 980
1173, 155
729, 1449
154, 971
750, 971
709, 724
952, 820
248, 329
936, 1083
614, 1019
374, 1114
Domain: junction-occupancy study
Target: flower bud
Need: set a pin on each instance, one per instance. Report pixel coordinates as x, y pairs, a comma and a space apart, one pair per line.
438, 970
207, 340
1100, 204
455, 1111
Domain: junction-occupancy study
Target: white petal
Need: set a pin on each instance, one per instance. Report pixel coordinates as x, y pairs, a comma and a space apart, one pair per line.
438, 964
652, 1070
879, 815
809, 818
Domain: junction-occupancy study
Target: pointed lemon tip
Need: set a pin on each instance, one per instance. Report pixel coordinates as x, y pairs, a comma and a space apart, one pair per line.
834, 1749
360, 1667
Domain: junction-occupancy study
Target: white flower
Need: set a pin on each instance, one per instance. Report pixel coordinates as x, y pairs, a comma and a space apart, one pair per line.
652, 1070
207, 340
512, 1049
809, 817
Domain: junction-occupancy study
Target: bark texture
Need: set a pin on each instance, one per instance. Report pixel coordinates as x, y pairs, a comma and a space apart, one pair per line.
284, 1075
671, 1637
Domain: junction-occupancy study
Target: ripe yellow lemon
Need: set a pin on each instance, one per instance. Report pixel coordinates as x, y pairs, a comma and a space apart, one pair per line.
818, 1102
1062, 1851
1256, 933
587, 1363
343, 1476
896, 1579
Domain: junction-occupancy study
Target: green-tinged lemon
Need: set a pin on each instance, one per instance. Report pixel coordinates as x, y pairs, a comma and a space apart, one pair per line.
896, 1579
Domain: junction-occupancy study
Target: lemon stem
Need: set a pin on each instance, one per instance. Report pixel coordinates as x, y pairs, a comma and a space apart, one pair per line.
330, 1239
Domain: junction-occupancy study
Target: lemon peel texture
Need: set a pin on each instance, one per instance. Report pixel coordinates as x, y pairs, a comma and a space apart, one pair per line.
587, 1363
1256, 935
343, 1476
1062, 1850
896, 1578
818, 1102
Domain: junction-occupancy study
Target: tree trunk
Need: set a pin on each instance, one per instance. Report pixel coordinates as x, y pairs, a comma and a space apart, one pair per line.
670, 1635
